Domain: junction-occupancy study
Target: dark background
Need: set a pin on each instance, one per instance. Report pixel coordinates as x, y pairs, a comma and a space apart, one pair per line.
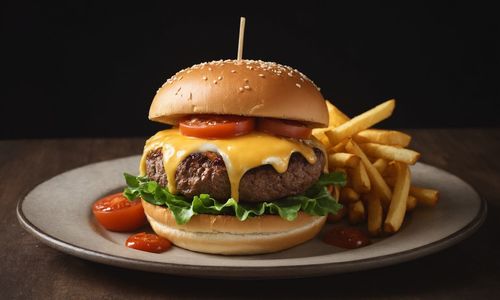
92, 68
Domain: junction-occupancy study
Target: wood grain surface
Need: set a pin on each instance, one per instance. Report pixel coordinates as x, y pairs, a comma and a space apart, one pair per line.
29, 269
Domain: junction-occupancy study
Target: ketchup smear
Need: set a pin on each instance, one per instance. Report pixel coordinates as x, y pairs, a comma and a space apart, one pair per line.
346, 237
148, 242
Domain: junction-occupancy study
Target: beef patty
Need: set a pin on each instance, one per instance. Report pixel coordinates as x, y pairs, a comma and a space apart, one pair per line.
205, 173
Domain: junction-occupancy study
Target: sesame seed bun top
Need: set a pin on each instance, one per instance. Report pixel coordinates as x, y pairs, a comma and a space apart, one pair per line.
245, 87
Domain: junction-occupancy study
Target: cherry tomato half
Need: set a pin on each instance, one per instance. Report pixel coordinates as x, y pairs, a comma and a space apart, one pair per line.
286, 128
117, 213
148, 242
216, 126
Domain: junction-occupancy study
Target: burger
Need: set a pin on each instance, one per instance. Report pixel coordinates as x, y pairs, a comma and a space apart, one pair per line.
238, 172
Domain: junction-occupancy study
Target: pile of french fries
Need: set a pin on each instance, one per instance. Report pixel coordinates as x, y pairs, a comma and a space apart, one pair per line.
376, 162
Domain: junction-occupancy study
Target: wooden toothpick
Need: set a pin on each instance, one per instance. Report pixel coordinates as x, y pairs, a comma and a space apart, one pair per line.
242, 37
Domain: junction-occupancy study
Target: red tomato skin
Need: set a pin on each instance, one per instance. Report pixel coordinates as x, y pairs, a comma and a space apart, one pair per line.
148, 242
216, 127
285, 128
119, 216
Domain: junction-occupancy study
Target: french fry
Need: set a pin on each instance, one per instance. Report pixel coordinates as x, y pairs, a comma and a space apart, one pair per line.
334, 218
356, 212
391, 169
340, 147
380, 164
397, 208
386, 137
336, 116
374, 212
411, 203
343, 160
361, 122
406, 156
425, 197
348, 195
378, 188
391, 180
359, 178
376, 179
336, 192
319, 133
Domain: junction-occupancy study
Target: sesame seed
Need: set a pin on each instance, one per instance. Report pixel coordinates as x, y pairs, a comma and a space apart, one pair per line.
215, 81
241, 89
247, 87
261, 75
271, 67
204, 77
298, 85
219, 78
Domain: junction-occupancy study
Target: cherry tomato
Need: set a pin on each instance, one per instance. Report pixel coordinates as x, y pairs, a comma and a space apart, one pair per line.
346, 237
286, 128
148, 242
117, 213
216, 126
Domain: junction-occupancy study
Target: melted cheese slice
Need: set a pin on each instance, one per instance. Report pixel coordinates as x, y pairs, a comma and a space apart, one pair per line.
240, 154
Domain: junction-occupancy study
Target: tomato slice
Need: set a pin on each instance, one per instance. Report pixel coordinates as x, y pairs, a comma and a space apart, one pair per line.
286, 128
148, 242
216, 126
116, 213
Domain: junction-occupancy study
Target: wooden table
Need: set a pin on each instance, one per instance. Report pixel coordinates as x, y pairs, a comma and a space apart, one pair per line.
29, 269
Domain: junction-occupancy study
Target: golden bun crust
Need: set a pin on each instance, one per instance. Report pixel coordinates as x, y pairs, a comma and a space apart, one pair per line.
222, 234
246, 87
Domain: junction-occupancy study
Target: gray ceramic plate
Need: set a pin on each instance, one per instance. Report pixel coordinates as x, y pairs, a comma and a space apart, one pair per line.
58, 213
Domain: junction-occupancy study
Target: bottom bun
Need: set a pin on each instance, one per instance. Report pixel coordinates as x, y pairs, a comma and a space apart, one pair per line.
222, 234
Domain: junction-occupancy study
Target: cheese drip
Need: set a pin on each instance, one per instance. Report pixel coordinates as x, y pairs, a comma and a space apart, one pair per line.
240, 154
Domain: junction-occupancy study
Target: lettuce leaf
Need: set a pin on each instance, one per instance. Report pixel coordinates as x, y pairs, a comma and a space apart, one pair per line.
316, 201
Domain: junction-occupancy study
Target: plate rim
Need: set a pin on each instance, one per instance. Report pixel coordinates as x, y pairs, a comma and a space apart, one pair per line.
257, 272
